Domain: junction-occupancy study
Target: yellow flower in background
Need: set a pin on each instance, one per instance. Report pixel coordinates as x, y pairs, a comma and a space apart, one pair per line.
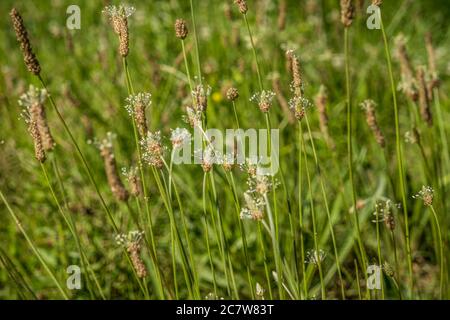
217, 97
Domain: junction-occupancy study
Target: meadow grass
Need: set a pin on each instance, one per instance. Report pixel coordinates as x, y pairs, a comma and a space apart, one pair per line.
356, 187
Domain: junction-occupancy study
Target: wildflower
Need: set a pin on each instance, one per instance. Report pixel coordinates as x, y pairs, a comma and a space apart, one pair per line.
136, 106
259, 184
297, 81
193, 117
131, 175
232, 94
200, 95
116, 185
209, 157
118, 16
181, 30
315, 256
299, 105
132, 242
254, 209
369, 107
33, 101
179, 137
384, 213
153, 149
347, 12
263, 99
426, 194
29, 57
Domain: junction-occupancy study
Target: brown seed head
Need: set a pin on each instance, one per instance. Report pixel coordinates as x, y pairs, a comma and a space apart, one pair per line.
29, 57
424, 103
134, 248
35, 135
369, 107
434, 82
232, 94
408, 84
116, 185
321, 103
347, 12
181, 30
242, 5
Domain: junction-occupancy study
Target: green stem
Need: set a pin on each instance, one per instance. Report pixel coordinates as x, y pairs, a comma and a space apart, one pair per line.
400, 168
33, 248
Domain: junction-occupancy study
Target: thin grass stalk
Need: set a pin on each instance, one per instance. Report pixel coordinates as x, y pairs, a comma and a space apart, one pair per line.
72, 222
242, 234
208, 246
377, 222
441, 253
300, 211
313, 215
153, 254
85, 264
196, 43
266, 267
357, 279
350, 149
327, 209
183, 220
400, 168
33, 248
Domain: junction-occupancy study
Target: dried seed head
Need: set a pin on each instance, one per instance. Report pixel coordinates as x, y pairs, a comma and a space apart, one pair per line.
137, 104
282, 9
321, 103
369, 107
132, 242
33, 101
408, 84
133, 180
347, 12
388, 270
242, 5
118, 16
232, 94
254, 207
424, 103
116, 185
153, 149
200, 95
426, 194
29, 57
135, 249
35, 135
297, 81
181, 30
434, 82
193, 117
264, 100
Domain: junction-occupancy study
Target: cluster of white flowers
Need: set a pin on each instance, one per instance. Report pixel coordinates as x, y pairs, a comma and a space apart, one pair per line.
129, 238
120, 10
179, 137
426, 194
143, 99
315, 256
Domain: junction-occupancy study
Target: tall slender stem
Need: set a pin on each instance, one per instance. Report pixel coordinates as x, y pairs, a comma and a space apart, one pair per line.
401, 172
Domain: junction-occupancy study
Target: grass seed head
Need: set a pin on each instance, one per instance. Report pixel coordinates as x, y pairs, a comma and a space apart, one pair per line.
424, 102
137, 104
181, 30
29, 57
369, 107
115, 184
347, 12
242, 5
232, 94
118, 15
